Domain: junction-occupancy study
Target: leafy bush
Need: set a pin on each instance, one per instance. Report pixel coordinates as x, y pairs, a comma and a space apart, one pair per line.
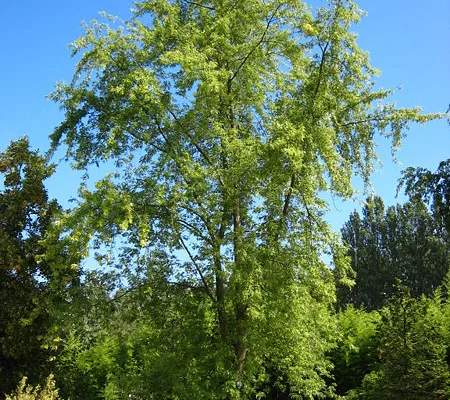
356, 351
413, 349
28, 392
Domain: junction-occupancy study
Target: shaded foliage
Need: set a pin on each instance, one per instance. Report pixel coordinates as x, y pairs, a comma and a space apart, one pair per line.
28, 287
413, 346
357, 351
403, 242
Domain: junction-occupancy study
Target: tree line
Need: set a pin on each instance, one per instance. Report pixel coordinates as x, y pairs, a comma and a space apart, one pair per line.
225, 121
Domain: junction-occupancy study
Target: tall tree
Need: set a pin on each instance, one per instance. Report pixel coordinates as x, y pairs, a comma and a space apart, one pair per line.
225, 121
415, 247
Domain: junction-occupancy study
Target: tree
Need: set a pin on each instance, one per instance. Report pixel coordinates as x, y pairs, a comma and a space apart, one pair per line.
28, 287
87, 338
416, 249
403, 242
225, 122
433, 188
366, 241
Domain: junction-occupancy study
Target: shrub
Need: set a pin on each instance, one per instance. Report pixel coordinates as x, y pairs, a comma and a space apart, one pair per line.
28, 392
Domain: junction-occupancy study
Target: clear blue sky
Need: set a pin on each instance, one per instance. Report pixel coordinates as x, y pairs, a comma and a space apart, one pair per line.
409, 41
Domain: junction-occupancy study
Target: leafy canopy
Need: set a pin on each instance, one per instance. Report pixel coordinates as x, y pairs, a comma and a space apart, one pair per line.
225, 121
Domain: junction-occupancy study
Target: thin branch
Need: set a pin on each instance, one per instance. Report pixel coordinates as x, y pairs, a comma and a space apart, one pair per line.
223, 222
310, 216
364, 100
364, 121
162, 133
287, 199
197, 267
187, 181
202, 218
186, 285
194, 143
322, 63
194, 230
124, 292
194, 3
256, 45
149, 142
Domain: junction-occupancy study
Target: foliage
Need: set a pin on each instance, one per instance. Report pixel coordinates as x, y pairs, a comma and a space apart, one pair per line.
356, 352
225, 122
366, 239
412, 352
28, 287
84, 334
24, 392
433, 188
402, 242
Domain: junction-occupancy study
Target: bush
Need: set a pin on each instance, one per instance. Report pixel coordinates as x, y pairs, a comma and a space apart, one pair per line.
28, 392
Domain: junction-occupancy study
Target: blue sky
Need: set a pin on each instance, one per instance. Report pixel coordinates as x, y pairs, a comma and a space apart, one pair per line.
409, 41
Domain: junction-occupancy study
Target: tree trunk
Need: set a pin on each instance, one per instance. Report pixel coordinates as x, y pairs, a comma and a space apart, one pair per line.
240, 307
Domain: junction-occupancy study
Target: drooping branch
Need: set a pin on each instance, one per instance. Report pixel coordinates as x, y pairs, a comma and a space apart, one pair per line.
193, 142
189, 183
193, 230
286, 204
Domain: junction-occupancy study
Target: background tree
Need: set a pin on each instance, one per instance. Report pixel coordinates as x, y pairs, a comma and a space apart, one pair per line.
28, 288
366, 241
225, 121
433, 188
416, 249
86, 338
403, 242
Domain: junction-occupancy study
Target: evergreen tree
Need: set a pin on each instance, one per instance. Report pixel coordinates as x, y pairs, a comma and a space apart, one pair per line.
402, 242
